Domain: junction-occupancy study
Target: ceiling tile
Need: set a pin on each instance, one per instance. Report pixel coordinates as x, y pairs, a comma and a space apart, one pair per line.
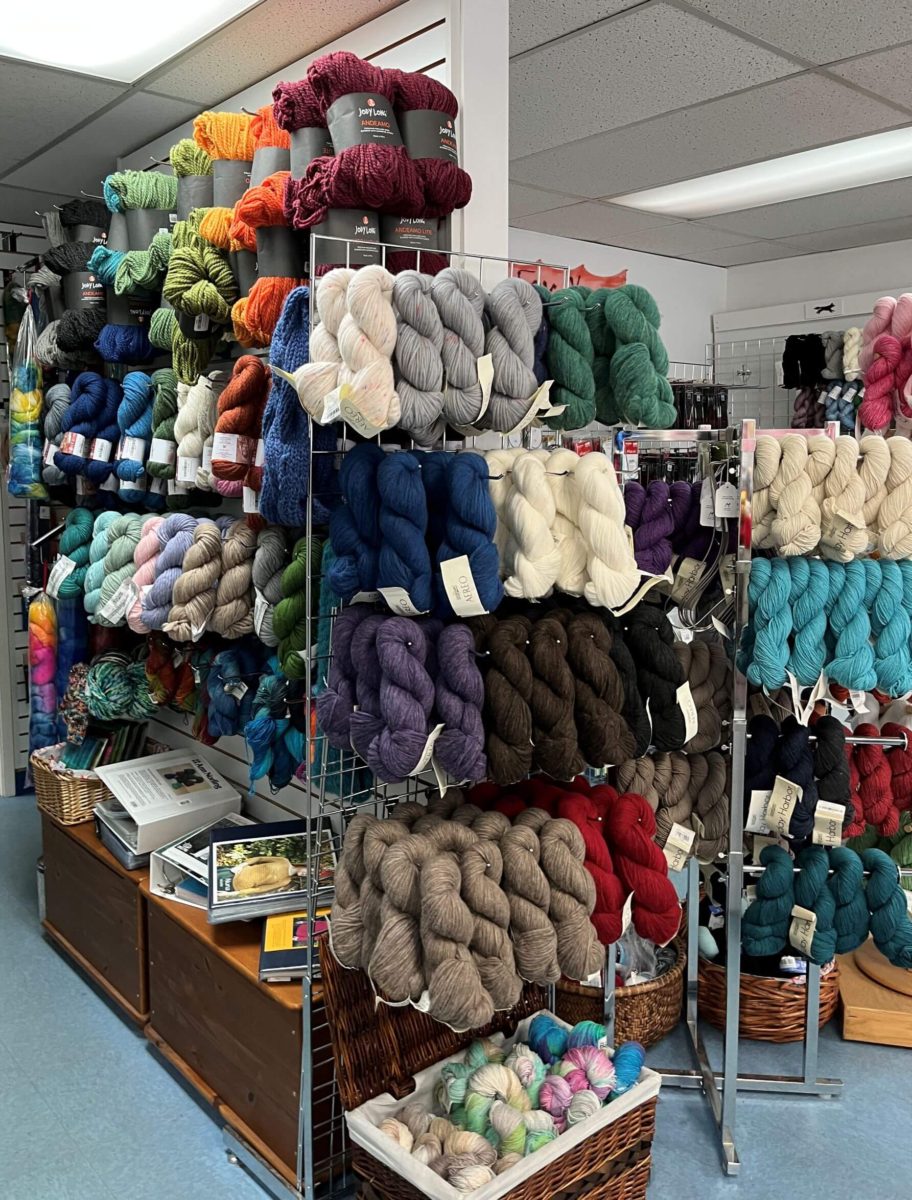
19, 205
886, 73
261, 42
780, 118
749, 252
853, 235
878, 202
533, 22
85, 157
593, 222
683, 239
818, 30
39, 105
527, 200
651, 60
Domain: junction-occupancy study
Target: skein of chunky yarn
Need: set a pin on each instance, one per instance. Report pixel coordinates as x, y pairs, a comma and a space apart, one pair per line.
843, 531
560, 471
629, 826
240, 418
372, 176
261, 208
289, 617
175, 535
141, 271
514, 312
508, 692
42, 657
460, 302
765, 923
603, 735
876, 409
894, 518
528, 515
891, 926
563, 852
354, 527
444, 184
551, 702
470, 527
612, 568
638, 373
418, 357
459, 696
225, 135
404, 560
199, 284
570, 357
124, 190
367, 339
232, 615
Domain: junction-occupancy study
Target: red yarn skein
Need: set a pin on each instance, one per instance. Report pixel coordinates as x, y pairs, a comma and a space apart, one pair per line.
629, 825
876, 409
876, 784
261, 208
610, 893
240, 411
445, 185
856, 825
900, 763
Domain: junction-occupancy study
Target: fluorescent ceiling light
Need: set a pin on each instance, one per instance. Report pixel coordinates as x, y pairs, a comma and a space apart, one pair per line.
110, 38
875, 159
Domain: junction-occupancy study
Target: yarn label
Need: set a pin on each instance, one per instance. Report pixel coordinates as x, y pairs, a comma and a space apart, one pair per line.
650, 581
828, 819
429, 134
260, 609
726, 502
89, 233
400, 602
82, 290
414, 233
251, 500
362, 119
538, 406
486, 381
358, 228
131, 485
233, 448
689, 709
785, 795
689, 571
73, 443
237, 688
162, 451
196, 326
110, 484
460, 587
230, 179
627, 914
365, 598
207, 457
756, 816
115, 608
306, 145
50, 450
62, 567
678, 846
707, 505
177, 489
354, 417
186, 469
156, 486
133, 448
100, 450
802, 929
129, 310
281, 253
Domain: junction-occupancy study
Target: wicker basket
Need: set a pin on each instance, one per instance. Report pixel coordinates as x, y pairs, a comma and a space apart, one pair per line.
67, 796
379, 1048
643, 1012
772, 1010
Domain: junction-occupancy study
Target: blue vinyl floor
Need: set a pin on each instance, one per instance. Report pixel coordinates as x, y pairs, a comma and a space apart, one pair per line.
89, 1112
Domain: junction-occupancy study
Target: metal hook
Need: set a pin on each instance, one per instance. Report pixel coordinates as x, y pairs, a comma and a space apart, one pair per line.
89, 196
247, 111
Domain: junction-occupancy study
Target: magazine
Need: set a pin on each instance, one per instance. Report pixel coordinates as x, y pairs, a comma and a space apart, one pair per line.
285, 950
180, 870
267, 869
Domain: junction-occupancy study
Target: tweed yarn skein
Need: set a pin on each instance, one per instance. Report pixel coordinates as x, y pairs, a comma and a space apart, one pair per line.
240, 414
459, 696
560, 471
528, 515
460, 302
629, 827
514, 313
396, 963
418, 357
843, 531
367, 339
175, 535
404, 560
269, 562
613, 573
144, 558
876, 409
894, 518
570, 357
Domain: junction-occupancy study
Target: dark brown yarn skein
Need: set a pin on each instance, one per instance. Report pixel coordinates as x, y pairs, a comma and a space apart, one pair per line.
508, 692
551, 702
604, 736
634, 710
711, 808
708, 670
659, 674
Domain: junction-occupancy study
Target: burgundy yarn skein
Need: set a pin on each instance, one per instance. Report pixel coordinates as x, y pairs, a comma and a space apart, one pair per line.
445, 185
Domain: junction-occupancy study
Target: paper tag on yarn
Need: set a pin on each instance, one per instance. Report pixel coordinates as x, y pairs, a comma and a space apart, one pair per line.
689, 572
649, 715
903, 425
726, 502
440, 776
707, 505
133, 448
186, 469
818, 691
238, 688
795, 691
111, 484
828, 819
681, 632
353, 416
428, 133
761, 840
802, 929
162, 451
73, 443
260, 609
207, 457
756, 815
486, 380
131, 485
251, 500
852, 519
47, 456
100, 450
428, 750
332, 410
62, 567
649, 581
678, 846
365, 598
538, 401
177, 489
460, 587
627, 914
233, 448
689, 709
785, 795
115, 608
859, 702
400, 602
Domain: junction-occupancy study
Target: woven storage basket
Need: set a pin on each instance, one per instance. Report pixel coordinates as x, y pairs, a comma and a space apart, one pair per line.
643, 1012
70, 796
379, 1048
772, 1010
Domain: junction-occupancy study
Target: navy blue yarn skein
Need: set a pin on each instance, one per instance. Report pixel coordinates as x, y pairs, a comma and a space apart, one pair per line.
434, 467
404, 559
354, 528
795, 761
125, 344
87, 400
107, 429
470, 524
134, 419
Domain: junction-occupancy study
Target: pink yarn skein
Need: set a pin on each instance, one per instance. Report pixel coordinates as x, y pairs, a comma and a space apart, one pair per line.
902, 331
592, 1068
145, 554
880, 321
876, 410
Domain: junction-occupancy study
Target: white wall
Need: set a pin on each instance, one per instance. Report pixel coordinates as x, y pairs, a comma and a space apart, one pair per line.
687, 293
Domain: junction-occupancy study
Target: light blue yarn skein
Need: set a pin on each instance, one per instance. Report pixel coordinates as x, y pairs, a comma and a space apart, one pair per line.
769, 590
808, 618
852, 663
891, 627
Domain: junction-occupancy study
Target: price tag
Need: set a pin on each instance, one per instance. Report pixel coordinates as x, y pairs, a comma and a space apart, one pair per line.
251, 500
627, 914
828, 819
678, 846
352, 415
115, 608
132, 447
400, 601
207, 457
238, 689
689, 572
186, 469
707, 505
726, 501
201, 320
802, 929
428, 749
859, 702
689, 709
62, 567
47, 456
460, 587
197, 631
756, 815
785, 795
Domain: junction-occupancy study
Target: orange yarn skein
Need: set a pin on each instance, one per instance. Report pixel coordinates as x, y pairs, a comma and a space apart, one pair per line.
225, 135
240, 412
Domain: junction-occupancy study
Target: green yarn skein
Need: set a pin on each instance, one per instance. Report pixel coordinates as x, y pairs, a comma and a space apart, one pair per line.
765, 924
187, 158
142, 270
812, 892
604, 345
123, 538
164, 414
289, 617
75, 542
199, 280
851, 918
569, 358
639, 366
140, 189
161, 328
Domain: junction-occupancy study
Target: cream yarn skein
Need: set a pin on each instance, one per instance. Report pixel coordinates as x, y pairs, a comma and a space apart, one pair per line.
317, 378
874, 469
821, 451
844, 534
500, 484
894, 539
851, 348
561, 474
529, 514
613, 573
232, 615
796, 526
367, 339
767, 456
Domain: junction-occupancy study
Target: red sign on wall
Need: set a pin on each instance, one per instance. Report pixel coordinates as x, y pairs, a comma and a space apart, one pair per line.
553, 278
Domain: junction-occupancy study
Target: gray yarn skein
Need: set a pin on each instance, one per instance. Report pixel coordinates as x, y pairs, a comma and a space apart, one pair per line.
460, 301
418, 358
48, 286
48, 352
57, 401
832, 349
514, 310
269, 562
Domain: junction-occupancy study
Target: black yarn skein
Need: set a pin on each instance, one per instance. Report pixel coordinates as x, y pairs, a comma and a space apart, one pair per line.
633, 710
79, 330
650, 639
832, 767
85, 211
68, 257
795, 762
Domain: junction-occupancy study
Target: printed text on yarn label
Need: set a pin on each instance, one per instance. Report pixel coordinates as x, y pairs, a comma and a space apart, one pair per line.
756, 816
677, 847
354, 417
429, 134
782, 801
115, 608
251, 500
707, 505
133, 448
414, 233
59, 571
162, 451
726, 502
260, 609
689, 710
362, 119
689, 571
802, 929
186, 469
50, 450
460, 587
828, 819
100, 450
233, 448
400, 601
73, 443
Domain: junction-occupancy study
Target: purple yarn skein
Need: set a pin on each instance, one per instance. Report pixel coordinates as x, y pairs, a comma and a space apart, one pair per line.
459, 696
174, 536
634, 500
406, 700
367, 722
336, 704
651, 539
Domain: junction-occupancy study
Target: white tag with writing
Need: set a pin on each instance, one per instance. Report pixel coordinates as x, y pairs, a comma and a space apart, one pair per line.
132, 447
627, 913
101, 450
689, 709
187, 469
785, 795
115, 608
460, 587
233, 447
428, 749
352, 415
439, 775
162, 451
400, 601
251, 500
200, 321
828, 819
59, 571
756, 816
486, 381
802, 929
720, 628
681, 632
238, 688
726, 500
689, 571
678, 846
260, 609
859, 701
177, 489
365, 598
707, 505
155, 485
50, 450
207, 456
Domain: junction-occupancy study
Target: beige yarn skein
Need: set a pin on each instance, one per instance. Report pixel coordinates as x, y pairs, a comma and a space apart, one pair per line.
613, 573
316, 379
526, 886
649, 777
561, 474
378, 837
572, 899
676, 805
844, 534
193, 596
367, 338
796, 526
346, 924
821, 451
529, 514
874, 470
396, 964
894, 538
232, 615
766, 463
482, 871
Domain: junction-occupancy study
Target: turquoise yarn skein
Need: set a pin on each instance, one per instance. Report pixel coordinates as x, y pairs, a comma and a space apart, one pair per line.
98, 548
810, 589
812, 891
892, 629
769, 590
851, 918
852, 664
765, 924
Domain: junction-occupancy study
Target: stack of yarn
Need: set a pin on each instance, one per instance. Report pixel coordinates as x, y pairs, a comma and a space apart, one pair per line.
885, 359
502, 1103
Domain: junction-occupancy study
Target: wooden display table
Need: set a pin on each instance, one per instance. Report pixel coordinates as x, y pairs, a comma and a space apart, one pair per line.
872, 1010
96, 912
235, 1039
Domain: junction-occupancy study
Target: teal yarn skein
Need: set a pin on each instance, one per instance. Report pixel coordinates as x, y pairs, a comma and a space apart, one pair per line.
134, 417
75, 543
852, 664
570, 359
810, 590
768, 591
585, 1033
603, 347
765, 924
98, 548
891, 628
891, 926
851, 918
812, 892
104, 263
628, 1061
639, 365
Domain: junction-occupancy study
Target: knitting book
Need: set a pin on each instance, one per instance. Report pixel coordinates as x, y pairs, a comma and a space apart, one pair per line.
180, 870
284, 953
267, 870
